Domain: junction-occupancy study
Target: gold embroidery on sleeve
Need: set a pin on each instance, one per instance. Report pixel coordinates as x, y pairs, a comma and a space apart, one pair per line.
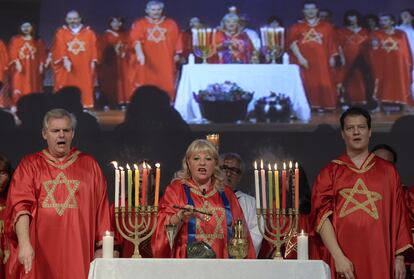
323, 219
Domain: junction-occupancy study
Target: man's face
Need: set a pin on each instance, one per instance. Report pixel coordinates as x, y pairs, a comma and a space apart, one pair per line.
154, 11
385, 154
116, 24
231, 25
310, 11
352, 19
26, 28
231, 168
356, 133
385, 22
58, 135
73, 19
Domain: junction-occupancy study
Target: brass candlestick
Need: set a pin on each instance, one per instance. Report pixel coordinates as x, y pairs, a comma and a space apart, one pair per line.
137, 224
280, 226
238, 246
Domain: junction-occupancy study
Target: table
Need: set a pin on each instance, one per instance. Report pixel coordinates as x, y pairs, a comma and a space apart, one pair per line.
260, 78
207, 269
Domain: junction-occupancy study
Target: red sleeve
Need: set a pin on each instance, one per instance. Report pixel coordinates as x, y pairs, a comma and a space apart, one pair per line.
136, 34
59, 47
406, 52
293, 35
175, 37
332, 40
13, 50
94, 46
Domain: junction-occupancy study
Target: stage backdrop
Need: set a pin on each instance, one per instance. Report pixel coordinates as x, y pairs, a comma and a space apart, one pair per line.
97, 12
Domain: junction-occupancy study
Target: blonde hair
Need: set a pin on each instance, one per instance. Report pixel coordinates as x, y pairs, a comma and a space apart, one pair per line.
201, 146
230, 16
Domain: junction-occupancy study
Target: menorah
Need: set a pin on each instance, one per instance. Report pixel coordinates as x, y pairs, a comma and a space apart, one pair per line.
204, 42
273, 42
136, 222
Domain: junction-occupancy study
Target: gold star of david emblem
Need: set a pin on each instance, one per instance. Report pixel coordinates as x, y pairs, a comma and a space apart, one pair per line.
312, 36
76, 46
389, 44
368, 205
27, 51
156, 34
218, 233
50, 187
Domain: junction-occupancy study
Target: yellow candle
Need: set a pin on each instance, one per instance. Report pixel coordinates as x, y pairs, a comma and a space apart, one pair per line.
270, 179
136, 185
129, 172
277, 194
157, 183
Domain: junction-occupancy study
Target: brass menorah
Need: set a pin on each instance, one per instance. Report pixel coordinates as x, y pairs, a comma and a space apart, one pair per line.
136, 224
280, 226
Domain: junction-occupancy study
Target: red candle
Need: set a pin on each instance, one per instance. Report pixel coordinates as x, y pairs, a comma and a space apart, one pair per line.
144, 184
296, 186
284, 186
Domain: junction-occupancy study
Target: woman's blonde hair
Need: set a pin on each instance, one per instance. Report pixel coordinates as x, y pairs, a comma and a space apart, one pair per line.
229, 16
201, 146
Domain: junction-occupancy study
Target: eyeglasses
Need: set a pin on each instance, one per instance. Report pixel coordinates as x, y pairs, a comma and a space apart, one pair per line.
231, 169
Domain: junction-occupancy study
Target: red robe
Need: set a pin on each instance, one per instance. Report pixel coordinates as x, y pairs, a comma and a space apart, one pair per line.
351, 75
81, 49
113, 71
4, 61
317, 45
237, 48
366, 208
3, 246
31, 54
69, 212
160, 42
212, 230
392, 63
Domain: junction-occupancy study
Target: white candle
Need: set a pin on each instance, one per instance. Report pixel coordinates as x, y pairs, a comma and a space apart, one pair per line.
256, 185
303, 246
108, 245
116, 183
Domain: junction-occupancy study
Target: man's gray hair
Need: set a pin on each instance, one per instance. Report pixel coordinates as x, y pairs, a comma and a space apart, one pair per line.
233, 156
59, 113
153, 3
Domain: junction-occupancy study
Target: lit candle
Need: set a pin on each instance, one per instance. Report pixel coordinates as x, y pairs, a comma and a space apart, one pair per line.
157, 183
296, 186
282, 37
284, 186
122, 186
144, 184
270, 179
303, 246
136, 185
291, 185
115, 164
194, 33
129, 172
263, 36
208, 40
277, 194
256, 185
263, 178
108, 245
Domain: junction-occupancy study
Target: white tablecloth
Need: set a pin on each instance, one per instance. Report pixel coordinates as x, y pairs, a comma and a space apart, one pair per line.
206, 269
260, 78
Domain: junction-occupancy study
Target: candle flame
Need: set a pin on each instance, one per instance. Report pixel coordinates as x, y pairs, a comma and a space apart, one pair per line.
136, 167
261, 164
270, 167
284, 166
302, 232
127, 166
157, 165
144, 165
121, 168
275, 166
255, 165
115, 164
296, 165
290, 164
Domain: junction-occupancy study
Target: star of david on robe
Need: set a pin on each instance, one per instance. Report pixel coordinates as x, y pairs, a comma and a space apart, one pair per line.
50, 187
218, 230
76, 46
351, 204
156, 34
389, 44
312, 36
27, 51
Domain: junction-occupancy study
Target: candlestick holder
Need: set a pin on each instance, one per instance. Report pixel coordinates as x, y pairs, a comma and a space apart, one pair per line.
272, 52
280, 226
204, 52
136, 224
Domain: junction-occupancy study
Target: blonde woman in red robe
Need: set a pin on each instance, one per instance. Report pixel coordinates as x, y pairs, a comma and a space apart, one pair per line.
113, 71
27, 59
198, 185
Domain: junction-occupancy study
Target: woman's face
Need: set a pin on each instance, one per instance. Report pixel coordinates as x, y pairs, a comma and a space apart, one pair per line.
26, 28
116, 24
406, 17
4, 179
201, 166
231, 25
352, 19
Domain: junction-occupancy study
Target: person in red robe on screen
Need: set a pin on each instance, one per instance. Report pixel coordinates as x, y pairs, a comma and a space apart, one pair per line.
57, 208
27, 59
4, 61
187, 38
199, 185
391, 63
354, 42
157, 43
75, 55
113, 70
358, 208
313, 46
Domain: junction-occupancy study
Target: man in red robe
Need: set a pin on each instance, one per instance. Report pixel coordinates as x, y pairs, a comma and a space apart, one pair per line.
75, 56
358, 208
391, 63
4, 60
157, 43
312, 44
57, 208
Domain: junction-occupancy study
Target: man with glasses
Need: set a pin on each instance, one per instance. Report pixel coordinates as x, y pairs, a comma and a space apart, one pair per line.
233, 166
